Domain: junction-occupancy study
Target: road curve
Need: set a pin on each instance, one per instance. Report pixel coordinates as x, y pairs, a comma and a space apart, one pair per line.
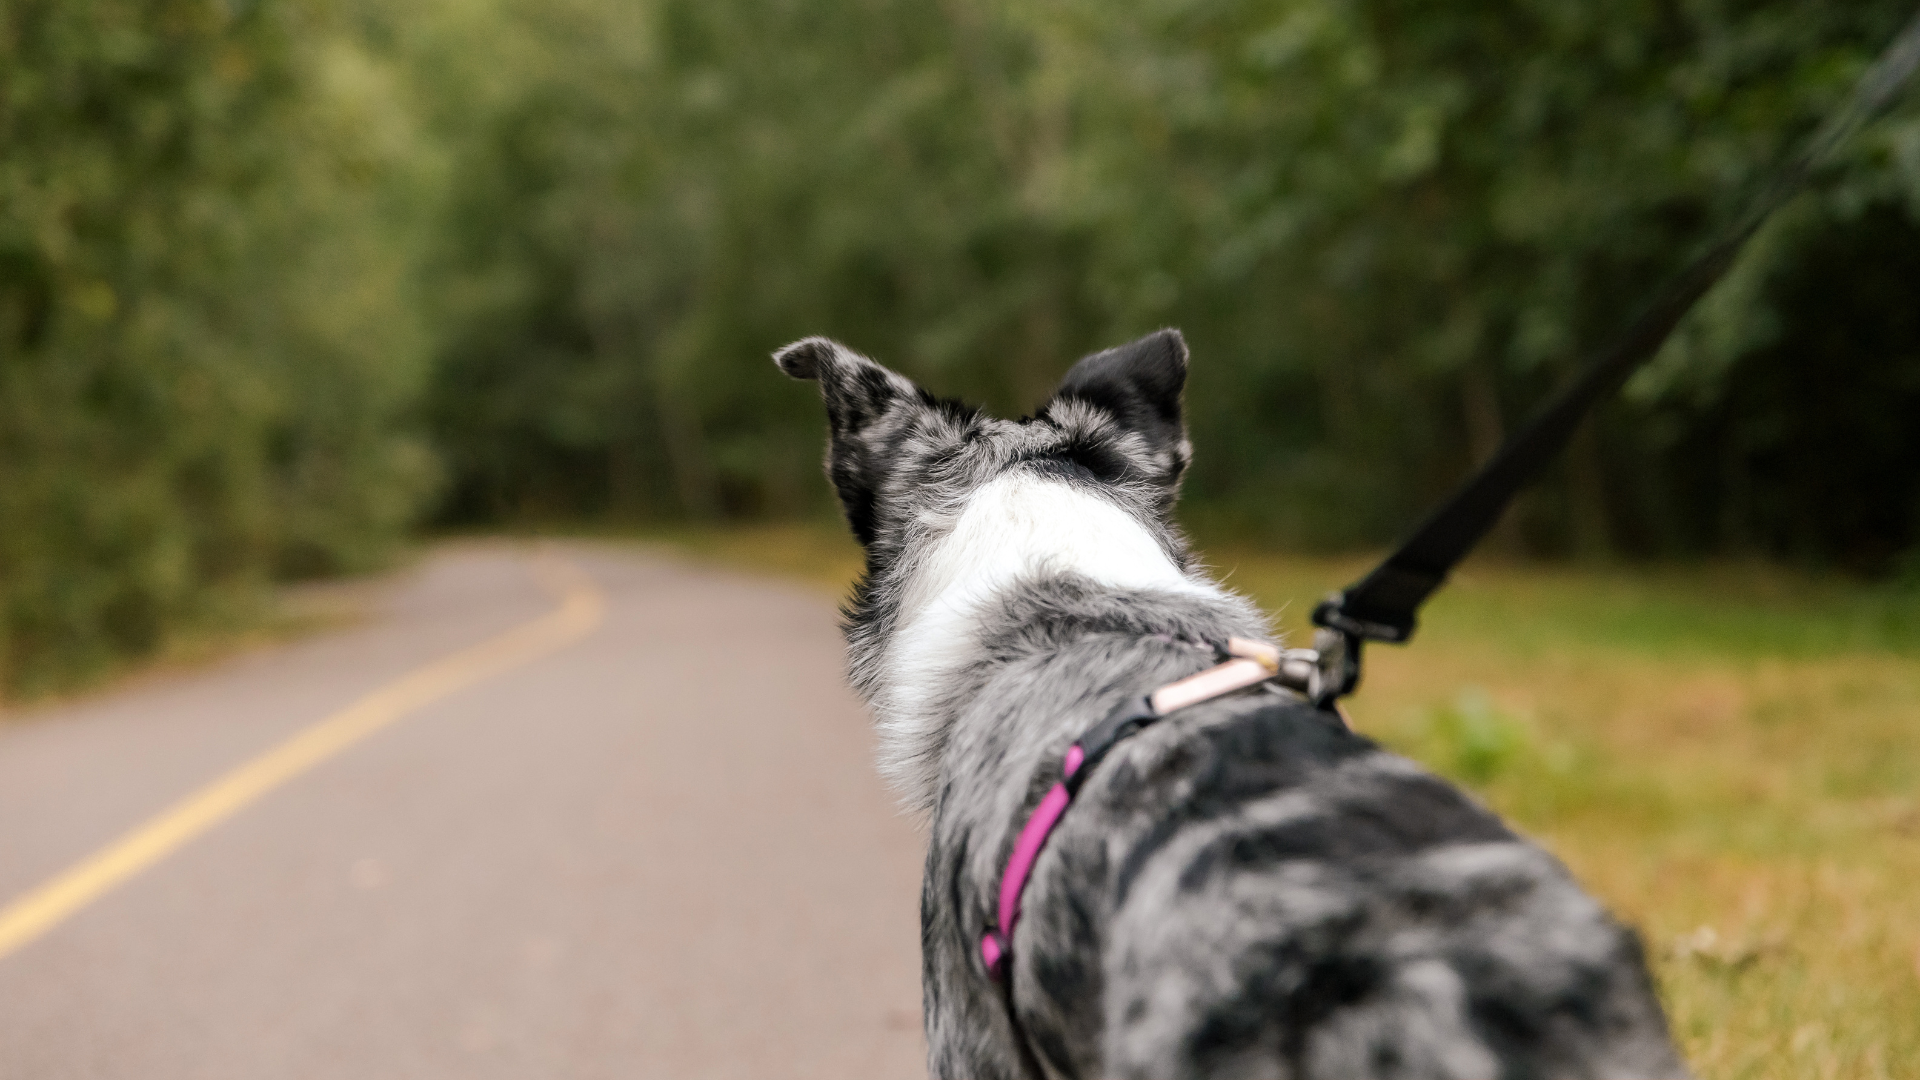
658, 851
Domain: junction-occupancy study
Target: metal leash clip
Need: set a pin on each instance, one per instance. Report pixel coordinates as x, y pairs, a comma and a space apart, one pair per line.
1324, 673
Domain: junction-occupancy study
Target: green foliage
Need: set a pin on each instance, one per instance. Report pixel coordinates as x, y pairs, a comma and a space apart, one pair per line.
251, 252
1387, 227
206, 339
1428, 216
1474, 740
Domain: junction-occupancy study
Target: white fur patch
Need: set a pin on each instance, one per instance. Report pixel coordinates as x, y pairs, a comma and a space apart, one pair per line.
1019, 525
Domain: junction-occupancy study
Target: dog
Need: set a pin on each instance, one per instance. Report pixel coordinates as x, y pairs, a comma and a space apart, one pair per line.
1244, 889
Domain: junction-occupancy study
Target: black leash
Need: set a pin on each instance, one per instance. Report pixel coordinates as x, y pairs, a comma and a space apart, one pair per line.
1384, 605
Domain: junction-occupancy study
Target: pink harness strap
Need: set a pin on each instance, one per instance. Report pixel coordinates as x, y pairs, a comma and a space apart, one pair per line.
1253, 662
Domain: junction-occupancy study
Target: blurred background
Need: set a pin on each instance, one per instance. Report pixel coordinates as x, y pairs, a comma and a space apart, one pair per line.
286, 285
284, 282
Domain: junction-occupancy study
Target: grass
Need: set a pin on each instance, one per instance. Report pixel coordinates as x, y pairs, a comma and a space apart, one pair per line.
1726, 754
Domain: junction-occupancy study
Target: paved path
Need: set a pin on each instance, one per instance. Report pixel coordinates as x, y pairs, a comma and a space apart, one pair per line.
660, 851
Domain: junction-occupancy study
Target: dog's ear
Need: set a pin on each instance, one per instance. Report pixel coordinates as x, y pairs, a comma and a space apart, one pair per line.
856, 390
858, 394
1139, 385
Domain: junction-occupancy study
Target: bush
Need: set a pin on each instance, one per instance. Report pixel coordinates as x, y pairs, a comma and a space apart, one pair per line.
207, 344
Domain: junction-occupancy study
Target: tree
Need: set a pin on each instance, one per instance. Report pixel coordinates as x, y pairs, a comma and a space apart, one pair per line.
206, 346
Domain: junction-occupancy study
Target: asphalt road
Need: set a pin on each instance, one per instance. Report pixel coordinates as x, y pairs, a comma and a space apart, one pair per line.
658, 850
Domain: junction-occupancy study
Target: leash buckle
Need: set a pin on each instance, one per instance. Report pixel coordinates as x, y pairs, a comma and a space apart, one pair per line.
1336, 669
1325, 673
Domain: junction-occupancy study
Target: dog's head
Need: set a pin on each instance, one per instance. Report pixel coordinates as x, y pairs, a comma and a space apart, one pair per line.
898, 456
956, 508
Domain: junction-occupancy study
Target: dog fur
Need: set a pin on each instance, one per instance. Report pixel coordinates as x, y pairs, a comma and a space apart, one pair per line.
1245, 889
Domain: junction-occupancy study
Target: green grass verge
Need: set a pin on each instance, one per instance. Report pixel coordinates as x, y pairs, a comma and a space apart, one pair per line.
1725, 753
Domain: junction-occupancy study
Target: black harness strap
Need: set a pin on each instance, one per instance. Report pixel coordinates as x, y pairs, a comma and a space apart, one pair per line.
1384, 605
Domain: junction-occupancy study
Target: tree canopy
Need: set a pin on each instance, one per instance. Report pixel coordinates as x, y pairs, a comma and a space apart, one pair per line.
1388, 228
282, 279
209, 339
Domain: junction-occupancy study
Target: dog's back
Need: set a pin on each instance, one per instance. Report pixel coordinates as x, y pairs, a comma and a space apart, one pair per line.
1300, 903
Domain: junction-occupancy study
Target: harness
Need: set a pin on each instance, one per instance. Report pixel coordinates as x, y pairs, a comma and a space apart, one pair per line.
1384, 605
1243, 663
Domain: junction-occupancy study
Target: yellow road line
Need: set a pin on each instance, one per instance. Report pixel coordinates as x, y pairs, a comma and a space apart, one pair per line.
580, 611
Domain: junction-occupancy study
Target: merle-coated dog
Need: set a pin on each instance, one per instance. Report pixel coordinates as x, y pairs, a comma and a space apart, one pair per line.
1246, 888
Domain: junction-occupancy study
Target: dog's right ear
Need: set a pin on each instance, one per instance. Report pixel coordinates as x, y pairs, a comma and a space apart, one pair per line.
1139, 385
857, 393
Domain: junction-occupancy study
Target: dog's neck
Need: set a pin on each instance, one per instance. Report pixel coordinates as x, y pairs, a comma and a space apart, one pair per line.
1020, 528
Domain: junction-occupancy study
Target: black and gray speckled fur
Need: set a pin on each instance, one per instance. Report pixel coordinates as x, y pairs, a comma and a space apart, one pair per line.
1245, 889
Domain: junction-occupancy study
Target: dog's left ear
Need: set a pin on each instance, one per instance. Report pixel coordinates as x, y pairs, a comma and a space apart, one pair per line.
1139, 384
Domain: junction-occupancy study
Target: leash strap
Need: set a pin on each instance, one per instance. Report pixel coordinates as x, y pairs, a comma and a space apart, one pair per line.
1384, 605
